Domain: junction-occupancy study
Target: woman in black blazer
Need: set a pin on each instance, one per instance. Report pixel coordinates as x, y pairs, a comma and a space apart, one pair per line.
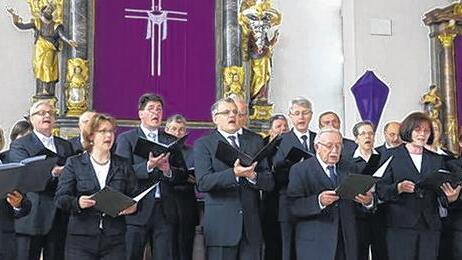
412, 213
92, 234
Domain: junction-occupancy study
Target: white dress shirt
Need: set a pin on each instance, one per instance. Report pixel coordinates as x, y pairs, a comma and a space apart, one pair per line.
47, 141
299, 136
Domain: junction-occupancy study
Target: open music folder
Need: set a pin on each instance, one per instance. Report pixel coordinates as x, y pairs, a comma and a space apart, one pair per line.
30, 175
112, 202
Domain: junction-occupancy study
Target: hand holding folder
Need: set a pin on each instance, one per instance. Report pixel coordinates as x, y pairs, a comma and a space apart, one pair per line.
29, 175
144, 147
114, 203
228, 154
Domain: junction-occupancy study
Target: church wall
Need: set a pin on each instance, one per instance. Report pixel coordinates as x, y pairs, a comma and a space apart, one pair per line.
320, 55
17, 81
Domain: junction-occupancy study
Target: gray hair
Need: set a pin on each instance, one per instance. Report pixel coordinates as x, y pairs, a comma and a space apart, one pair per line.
325, 131
34, 108
214, 108
238, 99
301, 101
177, 118
359, 124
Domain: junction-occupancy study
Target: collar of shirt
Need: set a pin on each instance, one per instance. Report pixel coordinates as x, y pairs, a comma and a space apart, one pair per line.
388, 146
46, 140
358, 153
240, 131
226, 135
147, 131
324, 165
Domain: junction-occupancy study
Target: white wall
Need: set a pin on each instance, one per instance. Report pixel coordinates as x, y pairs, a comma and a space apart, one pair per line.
311, 59
401, 60
17, 81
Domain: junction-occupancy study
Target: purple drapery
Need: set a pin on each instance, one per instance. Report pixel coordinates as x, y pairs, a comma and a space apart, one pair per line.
122, 59
371, 95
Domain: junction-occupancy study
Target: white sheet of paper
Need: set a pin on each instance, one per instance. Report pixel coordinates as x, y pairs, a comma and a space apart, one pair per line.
380, 171
142, 194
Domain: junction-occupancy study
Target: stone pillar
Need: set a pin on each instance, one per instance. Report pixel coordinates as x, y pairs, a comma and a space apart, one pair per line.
448, 92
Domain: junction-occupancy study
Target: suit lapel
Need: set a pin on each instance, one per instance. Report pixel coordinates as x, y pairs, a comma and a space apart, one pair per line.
322, 176
86, 161
36, 144
295, 141
113, 168
243, 143
312, 136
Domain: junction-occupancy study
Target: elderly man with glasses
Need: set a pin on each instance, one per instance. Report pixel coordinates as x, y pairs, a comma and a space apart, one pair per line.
45, 227
231, 222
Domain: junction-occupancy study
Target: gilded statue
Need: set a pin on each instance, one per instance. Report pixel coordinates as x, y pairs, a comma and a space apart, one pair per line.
49, 35
233, 81
259, 24
432, 103
77, 85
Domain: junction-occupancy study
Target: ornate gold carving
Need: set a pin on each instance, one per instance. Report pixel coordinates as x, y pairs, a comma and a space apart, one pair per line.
441, 15
259, 23
447, 39
77, 85
432, 103
452, 130
37, 5
233, 81
261, 112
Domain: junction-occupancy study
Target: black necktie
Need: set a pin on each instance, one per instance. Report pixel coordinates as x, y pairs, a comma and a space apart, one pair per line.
305, 144
332, 174
232, 138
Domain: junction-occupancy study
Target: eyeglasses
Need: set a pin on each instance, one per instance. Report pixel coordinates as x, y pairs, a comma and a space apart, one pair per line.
303, 113
366, 133
44, 112
227, 112
331, 146
104, 131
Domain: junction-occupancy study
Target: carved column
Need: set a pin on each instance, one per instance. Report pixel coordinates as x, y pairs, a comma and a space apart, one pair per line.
448, 92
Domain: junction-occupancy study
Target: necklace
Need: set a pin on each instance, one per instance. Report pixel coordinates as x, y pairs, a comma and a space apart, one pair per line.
98, 162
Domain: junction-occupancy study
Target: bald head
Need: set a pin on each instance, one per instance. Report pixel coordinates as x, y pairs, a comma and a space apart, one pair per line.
84, 118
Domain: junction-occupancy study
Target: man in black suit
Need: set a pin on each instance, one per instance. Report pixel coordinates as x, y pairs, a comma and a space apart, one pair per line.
300, 137
392, 139
270, 199
45, 226
326, 227
232, 221
331, 119
76, 142
185, 193
13, 207
156, 216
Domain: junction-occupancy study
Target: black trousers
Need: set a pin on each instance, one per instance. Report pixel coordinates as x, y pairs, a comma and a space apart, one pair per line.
99, 247
371, 233
7, 245
243, 251
30, 247
158, 232
412, 244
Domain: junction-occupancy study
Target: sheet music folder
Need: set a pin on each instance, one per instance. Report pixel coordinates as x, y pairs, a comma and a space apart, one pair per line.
228, 154
112, 202
29, 175
355, 184
143, 147
435, 180
295, 155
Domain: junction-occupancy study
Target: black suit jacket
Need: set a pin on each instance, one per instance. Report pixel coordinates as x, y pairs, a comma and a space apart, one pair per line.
125, 146
281, 169
43, 211
79, 178
349, 148
455, 209
76, 145
317, 229
406, 209
231, 207
7, 217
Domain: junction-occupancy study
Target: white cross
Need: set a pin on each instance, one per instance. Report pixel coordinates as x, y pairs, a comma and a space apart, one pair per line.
156, 17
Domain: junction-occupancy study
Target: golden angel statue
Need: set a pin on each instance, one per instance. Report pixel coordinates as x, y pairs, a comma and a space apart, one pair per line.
76, 93
259, 22
49, 33
432, 103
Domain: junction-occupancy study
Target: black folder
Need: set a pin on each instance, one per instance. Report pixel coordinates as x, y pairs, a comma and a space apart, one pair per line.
372, 165
228, 154
435, 180
29, 175
295, 155
112, 202
61, 161
143, 147
355, 184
